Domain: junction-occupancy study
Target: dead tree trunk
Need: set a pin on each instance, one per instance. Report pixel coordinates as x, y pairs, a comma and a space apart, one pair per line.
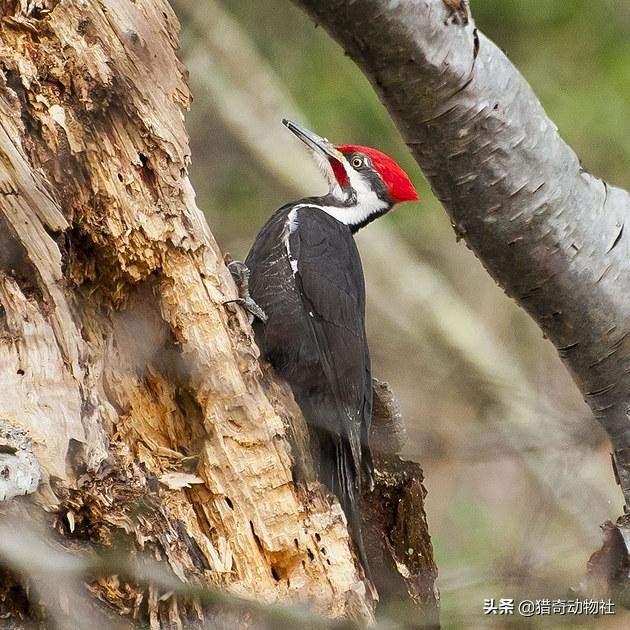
551, 234
131, 395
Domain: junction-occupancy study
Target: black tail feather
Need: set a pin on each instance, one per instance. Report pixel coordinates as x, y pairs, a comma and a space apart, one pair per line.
340, 474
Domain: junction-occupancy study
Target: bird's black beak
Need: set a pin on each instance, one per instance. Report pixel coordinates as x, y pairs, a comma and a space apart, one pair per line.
313, 141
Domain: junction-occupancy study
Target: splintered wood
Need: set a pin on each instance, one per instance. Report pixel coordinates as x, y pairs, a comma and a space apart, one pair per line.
135, 384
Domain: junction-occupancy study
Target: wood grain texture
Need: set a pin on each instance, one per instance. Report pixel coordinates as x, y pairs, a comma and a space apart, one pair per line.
117, 355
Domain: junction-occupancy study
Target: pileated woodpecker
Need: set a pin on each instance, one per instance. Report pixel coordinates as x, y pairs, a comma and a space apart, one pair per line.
306, 276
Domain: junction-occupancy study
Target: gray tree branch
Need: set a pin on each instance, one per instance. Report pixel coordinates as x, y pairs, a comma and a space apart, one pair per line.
426, 304
550, 233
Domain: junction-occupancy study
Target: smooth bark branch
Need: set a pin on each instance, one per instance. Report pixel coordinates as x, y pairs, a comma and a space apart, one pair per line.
550, 233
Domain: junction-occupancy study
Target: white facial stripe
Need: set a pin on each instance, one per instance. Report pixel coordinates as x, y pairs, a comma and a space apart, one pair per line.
367, 201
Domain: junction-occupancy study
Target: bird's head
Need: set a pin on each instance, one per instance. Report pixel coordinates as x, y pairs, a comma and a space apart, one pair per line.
364, 183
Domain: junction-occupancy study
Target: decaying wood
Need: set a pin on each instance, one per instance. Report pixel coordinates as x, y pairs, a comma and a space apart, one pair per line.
398, 542
117, 355
608, 574
388, 432
149, 414
395, 526
19, 469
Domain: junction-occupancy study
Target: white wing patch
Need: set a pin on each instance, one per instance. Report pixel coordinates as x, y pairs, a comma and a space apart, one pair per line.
368, 203
290, 225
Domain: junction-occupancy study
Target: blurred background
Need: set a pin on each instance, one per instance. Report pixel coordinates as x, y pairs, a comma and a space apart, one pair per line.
518, 473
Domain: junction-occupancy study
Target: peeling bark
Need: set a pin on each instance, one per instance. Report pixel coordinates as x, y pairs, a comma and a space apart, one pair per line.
118, 358
19, 469
550, 233
398, 542
608, 571
388, 432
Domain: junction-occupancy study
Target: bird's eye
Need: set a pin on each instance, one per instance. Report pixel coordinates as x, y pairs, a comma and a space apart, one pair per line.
357, 162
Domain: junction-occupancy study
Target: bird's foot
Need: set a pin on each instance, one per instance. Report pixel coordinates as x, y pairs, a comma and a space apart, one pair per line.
240, 273
250, 306
459, 11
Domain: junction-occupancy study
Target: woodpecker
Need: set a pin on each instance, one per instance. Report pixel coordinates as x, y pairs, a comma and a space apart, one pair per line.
306, 277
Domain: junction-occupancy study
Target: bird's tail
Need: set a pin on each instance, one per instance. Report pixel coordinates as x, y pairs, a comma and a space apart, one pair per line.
341, 474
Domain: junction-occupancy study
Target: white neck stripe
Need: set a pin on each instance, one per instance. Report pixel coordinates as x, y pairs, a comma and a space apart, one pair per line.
367, 202
359, 213
348, 215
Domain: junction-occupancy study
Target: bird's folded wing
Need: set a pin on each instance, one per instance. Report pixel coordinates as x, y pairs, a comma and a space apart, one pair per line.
329, 277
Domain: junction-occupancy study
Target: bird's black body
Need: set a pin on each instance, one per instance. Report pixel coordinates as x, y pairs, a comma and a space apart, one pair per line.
306, 290
306, 275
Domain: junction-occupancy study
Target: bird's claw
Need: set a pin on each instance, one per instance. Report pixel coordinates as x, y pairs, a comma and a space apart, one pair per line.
250, 306
240, 274
239, 271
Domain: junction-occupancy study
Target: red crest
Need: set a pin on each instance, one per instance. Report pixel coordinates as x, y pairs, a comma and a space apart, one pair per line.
395, 179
